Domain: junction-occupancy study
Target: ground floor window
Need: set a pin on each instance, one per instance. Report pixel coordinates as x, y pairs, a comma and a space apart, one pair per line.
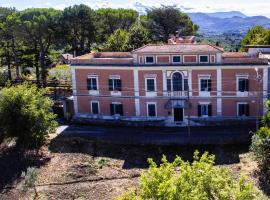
95, 107
204, 110
151, 110
243, 109
116, 109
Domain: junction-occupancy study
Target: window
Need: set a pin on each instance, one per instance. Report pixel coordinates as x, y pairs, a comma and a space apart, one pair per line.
177, 80
115, 84
204, 59
116, 109
243, 84
151, 109
149, 59
204, 110
95, 107
205, 85
150, 85
169, 84
176, 59
243, 109
92, 83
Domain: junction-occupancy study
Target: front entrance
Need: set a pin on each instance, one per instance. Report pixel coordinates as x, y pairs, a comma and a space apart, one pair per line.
178, 114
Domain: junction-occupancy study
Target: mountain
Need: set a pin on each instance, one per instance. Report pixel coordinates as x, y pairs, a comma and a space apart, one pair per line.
229, 14
235, 24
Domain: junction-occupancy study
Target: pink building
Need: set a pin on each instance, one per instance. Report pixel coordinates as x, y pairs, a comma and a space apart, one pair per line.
173, 82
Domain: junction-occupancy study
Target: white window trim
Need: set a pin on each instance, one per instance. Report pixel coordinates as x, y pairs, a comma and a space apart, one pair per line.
152, 103
147, 63
94, 92
177, 62
238, 103
202, 56
205, 104
150, 93
204, 93
190, 62
115, 92
92, 107
214, 59
117, 103
239, 93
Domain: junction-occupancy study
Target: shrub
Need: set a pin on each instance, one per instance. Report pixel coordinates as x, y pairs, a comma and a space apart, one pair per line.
24, 114
29, 179
200, 180
260, 147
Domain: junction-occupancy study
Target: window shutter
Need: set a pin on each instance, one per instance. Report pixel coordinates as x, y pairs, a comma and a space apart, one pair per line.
185, 84
209, 110
94, 84
119, 84
110, 85
199, 110
120, 111
169, 85
209, 85
112, 109
247, 85
247, 109
88, 83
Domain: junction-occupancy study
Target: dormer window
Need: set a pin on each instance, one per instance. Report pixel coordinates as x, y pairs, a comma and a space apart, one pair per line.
176, 59
204, 59
149, 59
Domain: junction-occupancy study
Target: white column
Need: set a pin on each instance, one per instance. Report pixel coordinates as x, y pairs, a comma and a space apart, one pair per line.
74, 89
190, 82
136, 92
164, 81
265, 88
219, 88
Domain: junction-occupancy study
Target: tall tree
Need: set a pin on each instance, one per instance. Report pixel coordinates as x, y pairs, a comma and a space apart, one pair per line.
167, 20
109, 20
117, 42
138, 35
38, 27
256, 36
78, 29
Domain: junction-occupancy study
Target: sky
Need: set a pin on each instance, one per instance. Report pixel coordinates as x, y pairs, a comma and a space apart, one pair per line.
248, 7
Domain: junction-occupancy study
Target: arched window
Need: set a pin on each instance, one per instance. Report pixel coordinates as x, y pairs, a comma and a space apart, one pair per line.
177, 81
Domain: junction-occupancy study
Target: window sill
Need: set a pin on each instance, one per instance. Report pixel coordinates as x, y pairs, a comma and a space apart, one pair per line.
116, 93
242, 94
94, 92
204, 94
151, 94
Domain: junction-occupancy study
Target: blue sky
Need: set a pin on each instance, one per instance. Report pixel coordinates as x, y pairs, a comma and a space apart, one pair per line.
248, 7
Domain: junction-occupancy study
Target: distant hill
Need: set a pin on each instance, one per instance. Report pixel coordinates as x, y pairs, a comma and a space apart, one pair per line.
231, 22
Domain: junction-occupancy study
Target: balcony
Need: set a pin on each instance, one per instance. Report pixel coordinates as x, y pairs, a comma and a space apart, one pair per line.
177, 94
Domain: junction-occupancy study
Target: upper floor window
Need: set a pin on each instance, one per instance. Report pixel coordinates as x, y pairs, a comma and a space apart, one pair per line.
176, 83
116, 109
176, 59
149, 59
204, 59
115, 84
205, 84
243, 109
150, 84
243, 84
92, 83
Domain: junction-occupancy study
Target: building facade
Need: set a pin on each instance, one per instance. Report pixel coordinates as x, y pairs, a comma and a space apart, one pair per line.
174, 83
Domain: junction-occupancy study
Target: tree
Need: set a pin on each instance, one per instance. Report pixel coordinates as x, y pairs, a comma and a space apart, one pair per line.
78, 28
109, 20
167, 20
200, 180
138, 36
256, 36
38, 27
117, 42
25, 115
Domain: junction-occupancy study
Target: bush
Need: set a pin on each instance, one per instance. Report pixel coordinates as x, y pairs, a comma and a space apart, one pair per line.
260, 147
200, 180
24, 114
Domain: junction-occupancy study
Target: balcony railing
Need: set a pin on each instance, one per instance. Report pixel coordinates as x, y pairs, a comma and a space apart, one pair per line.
178, 93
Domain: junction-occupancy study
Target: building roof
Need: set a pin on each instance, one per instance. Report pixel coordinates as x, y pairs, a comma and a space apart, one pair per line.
105, 55
235, 55
67, 56
178, 48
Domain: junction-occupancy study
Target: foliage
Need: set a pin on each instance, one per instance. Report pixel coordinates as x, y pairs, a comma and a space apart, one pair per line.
200, 180
256, 36
118, 41
60, 73
29, 178
102, 162
167, 20
138, 36
24, 114
78, 28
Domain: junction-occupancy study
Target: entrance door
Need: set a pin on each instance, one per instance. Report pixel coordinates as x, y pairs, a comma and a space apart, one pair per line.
178, 114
